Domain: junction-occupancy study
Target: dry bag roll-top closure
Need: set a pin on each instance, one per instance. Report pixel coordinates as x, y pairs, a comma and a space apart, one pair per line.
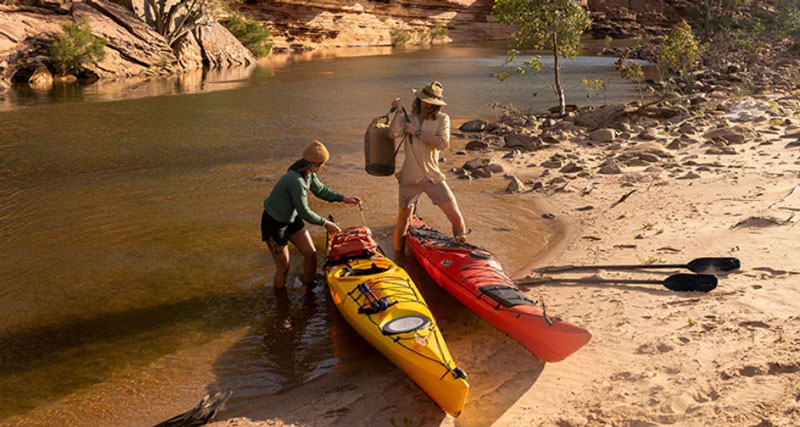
379, 149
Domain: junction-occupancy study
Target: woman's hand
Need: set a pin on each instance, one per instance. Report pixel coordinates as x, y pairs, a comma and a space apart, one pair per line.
410, 128
397, 104
352, 200
331, 227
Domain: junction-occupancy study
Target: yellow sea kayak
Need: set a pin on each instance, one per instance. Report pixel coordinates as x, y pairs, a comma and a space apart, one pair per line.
383, 305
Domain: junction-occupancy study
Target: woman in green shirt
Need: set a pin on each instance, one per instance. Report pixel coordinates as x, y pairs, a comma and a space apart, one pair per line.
287, 207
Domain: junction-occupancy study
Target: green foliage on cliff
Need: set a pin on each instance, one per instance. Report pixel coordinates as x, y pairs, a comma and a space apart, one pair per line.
254, 35
399, 36
75, 47
555, 25
422, 35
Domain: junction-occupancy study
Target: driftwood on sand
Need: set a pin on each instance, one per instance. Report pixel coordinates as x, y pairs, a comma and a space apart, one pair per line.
201, 414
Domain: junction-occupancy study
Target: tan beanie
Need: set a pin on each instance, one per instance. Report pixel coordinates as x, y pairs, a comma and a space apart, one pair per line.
316, 153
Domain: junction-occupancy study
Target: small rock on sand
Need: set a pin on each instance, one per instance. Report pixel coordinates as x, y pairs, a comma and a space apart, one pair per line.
473, 126
477, 145
571, 168
476, 164
494, 168
603, 135
690, 175
515, 186
610, 168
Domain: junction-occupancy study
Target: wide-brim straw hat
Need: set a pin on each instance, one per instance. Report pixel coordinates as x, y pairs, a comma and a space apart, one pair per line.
432, 93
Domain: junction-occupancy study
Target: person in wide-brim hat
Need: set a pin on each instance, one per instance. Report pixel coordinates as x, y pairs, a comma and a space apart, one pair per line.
431, 94
426, 131
286, 208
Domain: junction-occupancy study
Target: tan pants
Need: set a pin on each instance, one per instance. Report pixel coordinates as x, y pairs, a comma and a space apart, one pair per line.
439, 193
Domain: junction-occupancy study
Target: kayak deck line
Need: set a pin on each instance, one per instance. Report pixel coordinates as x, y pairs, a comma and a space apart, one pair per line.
414, 298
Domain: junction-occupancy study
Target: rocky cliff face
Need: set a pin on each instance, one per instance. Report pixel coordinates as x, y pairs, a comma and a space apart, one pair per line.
307, 24
626, 18
133, 49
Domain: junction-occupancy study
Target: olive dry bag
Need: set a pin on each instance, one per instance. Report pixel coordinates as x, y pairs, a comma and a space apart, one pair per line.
379, 150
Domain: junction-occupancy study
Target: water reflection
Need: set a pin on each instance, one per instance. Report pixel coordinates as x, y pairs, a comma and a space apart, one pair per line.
216, 79
190, 81
289, 344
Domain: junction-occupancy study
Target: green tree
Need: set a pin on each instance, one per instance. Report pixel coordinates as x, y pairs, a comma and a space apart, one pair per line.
556, 25
75, 47
680, 51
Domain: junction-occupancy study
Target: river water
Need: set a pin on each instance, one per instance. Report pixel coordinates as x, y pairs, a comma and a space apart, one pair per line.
132, 276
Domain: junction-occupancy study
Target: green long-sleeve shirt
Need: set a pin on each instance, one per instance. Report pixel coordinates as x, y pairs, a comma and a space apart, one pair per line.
289, 198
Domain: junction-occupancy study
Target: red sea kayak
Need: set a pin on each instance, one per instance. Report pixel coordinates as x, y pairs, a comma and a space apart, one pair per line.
475, 278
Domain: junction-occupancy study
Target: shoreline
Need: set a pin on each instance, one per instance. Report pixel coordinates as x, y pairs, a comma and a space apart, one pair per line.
657, 356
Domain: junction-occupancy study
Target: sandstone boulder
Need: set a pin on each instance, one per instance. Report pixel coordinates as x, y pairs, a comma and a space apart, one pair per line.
603, 135
473, 126
221, 48
189, 52
731, 135
523, 141
41, 78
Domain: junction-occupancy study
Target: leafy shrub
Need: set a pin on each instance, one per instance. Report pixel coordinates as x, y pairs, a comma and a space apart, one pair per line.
439, 31
680, 50
75, 47
631, 70
593, 87
254, 35
787, 19
400, 36
745, 35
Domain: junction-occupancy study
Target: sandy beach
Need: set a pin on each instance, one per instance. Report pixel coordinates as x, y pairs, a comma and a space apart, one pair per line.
727, 357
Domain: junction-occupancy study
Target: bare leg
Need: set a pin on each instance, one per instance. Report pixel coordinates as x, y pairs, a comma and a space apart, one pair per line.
403, 219
450, 209
281, 257
302, 240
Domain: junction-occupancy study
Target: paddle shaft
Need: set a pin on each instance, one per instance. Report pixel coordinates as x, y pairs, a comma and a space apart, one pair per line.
607, 267
620, 281
676, 282
698, 265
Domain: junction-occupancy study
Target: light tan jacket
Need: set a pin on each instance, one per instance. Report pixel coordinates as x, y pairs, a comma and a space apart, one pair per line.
421, 161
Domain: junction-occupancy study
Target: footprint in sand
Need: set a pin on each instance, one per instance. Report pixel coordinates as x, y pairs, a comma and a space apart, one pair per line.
651, 348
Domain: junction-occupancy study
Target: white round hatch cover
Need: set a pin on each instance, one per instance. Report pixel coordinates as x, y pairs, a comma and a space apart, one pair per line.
405, 324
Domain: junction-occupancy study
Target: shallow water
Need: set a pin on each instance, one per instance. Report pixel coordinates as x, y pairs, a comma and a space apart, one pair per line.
132, 266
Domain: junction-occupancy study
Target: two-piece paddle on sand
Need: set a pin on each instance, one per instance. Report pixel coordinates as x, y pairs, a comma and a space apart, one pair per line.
699, 265
676, 282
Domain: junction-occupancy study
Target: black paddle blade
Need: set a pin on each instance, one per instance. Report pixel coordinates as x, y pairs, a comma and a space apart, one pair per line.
714, 265
691, 282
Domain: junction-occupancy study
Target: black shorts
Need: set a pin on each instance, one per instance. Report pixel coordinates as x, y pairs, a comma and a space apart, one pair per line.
277, 231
